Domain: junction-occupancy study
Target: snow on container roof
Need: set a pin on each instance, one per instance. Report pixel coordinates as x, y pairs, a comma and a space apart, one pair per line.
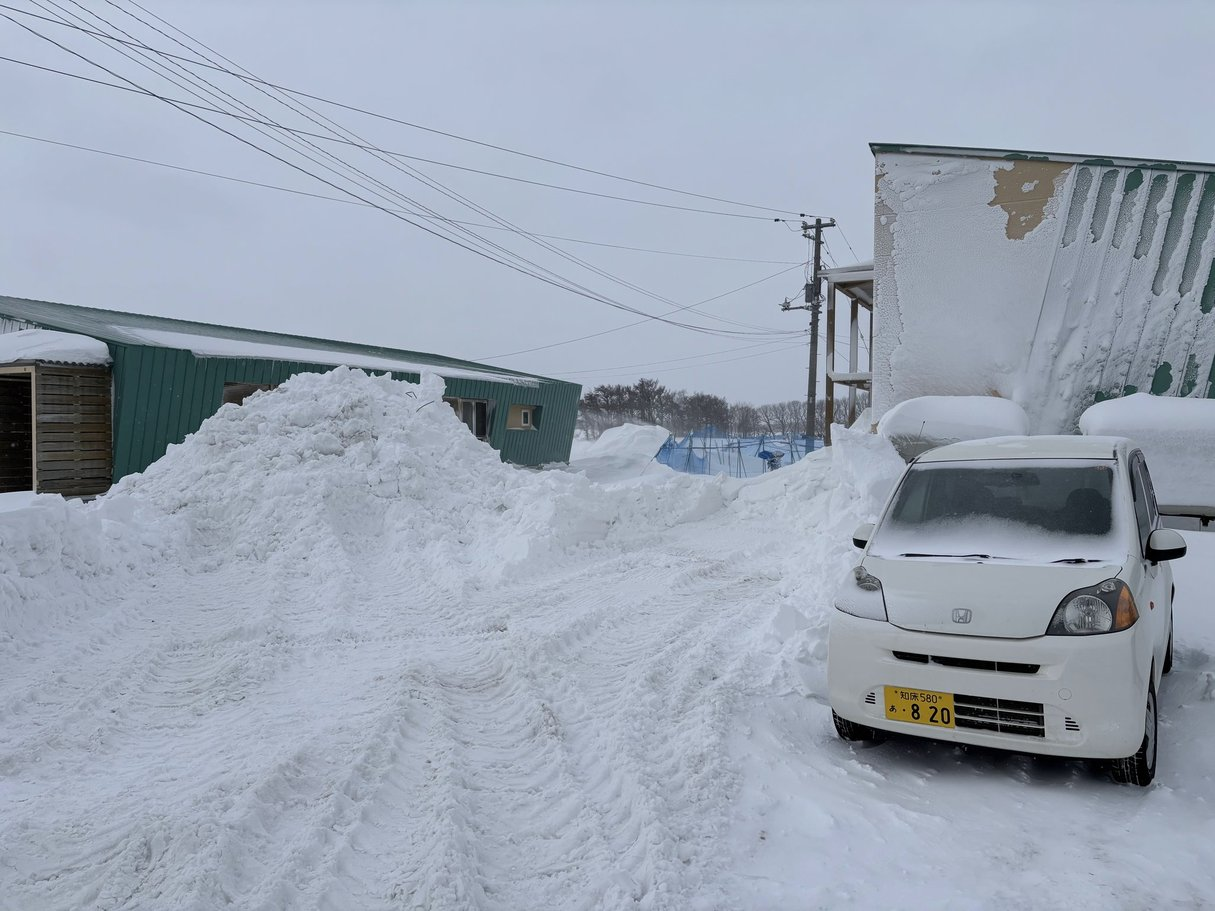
1177, 436
1029, 447
206, 340
52, 347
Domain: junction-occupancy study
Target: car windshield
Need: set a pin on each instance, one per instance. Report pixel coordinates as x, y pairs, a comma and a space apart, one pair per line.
1056, 511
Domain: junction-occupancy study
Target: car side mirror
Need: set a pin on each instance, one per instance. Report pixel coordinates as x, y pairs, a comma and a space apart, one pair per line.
1165, 544
864, 532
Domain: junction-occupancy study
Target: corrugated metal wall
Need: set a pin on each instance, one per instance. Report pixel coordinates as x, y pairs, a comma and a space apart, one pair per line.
161, 395
1133, 277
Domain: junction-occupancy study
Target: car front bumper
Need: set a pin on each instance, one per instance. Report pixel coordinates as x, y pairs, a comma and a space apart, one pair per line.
1091, 690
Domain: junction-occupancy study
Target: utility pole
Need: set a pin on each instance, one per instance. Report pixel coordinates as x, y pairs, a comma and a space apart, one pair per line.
814, 303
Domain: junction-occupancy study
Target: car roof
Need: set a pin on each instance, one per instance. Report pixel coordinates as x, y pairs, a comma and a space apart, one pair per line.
1031, 447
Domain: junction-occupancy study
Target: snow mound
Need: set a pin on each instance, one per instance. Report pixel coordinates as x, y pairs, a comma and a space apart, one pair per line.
58, 560
48, 345
1177, 436
924, 423
329, 470
620, 453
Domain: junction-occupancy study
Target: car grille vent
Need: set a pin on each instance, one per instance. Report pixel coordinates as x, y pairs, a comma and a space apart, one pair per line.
1004, 667
871, 699
1007, 716
1071, 724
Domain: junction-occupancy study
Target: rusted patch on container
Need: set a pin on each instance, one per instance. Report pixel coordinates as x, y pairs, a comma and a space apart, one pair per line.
1023, 191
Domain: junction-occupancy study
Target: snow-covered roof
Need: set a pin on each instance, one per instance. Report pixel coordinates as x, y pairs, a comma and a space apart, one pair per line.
1177, 436
49, 346
1029, 447
206, 340
1122, 161
217, 346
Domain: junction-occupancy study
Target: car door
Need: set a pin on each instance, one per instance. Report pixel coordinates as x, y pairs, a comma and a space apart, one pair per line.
1158, 579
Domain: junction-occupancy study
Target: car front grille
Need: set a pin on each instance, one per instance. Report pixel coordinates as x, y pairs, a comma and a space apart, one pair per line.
1006, 716
1004, 667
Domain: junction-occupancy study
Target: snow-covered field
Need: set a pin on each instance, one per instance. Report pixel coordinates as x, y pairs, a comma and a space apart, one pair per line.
330, 653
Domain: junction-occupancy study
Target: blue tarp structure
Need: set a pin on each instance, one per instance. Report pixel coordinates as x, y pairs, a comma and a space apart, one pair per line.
707, 452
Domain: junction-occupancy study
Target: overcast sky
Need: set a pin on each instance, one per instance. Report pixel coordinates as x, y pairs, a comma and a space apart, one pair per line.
768, 104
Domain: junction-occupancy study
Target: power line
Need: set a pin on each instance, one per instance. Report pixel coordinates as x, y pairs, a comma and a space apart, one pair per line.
731, 360
556, 280
372, 148
480, 252
249, 77
269, 186
260, 120
674, 360
583, 338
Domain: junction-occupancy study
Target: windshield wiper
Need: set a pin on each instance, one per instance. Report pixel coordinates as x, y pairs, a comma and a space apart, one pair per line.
1078, 560
979, 556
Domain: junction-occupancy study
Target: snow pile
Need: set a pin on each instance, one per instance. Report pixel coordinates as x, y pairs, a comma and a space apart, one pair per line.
817, 504
917, 425
59, 560
48, 345
330, 467
620, 452
1177, 436
339, 656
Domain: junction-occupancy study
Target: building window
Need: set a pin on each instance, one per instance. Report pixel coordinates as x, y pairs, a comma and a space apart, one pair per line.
236, 393
473, 412
523, 417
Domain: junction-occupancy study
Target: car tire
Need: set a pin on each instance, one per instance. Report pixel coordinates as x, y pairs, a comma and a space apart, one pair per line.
853, 732
1140, 769
1168, 652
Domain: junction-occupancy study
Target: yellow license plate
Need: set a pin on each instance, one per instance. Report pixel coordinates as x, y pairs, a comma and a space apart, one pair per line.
919, 706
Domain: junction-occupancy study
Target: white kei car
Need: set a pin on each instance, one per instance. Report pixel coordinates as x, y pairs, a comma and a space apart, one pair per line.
1015, 593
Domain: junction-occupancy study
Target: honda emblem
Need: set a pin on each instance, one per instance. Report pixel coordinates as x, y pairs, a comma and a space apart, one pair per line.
961, 615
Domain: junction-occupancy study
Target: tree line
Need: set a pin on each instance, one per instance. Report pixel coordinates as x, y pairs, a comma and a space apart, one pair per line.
649, 402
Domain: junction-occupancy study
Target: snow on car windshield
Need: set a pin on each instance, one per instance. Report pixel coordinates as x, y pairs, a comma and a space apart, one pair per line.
1044, 512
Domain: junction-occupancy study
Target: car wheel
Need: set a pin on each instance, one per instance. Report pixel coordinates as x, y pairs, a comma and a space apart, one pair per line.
853, 732
1140, 769
1168, 652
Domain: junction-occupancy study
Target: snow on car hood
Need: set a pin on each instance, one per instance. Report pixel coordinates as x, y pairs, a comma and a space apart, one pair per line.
1007, 600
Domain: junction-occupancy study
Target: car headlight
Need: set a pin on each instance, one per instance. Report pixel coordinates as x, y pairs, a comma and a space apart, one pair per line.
1108, 607
861, 595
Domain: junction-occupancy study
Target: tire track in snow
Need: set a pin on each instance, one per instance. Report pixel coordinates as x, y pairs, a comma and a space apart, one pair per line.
653, 684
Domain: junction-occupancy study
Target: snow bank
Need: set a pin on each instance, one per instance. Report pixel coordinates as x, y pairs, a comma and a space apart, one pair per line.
330, 466
1177, 436
924, 423
817, 503
60, 560
620, 452
311, 479
47, 345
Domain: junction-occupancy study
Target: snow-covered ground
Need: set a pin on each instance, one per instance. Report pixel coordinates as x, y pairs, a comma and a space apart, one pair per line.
330, 653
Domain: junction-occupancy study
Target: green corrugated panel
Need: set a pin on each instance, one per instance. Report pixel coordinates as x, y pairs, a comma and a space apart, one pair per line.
1128, 286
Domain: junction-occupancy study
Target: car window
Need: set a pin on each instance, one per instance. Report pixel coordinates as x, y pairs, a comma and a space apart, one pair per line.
1017, 509
1153, 506
1143, 515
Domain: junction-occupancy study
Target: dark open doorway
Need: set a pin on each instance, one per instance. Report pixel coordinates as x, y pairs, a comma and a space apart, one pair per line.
16, 432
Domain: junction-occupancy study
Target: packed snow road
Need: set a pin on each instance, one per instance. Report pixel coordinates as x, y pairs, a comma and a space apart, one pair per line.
311, 660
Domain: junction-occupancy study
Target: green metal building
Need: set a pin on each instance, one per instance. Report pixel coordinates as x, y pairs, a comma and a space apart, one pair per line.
74, 429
